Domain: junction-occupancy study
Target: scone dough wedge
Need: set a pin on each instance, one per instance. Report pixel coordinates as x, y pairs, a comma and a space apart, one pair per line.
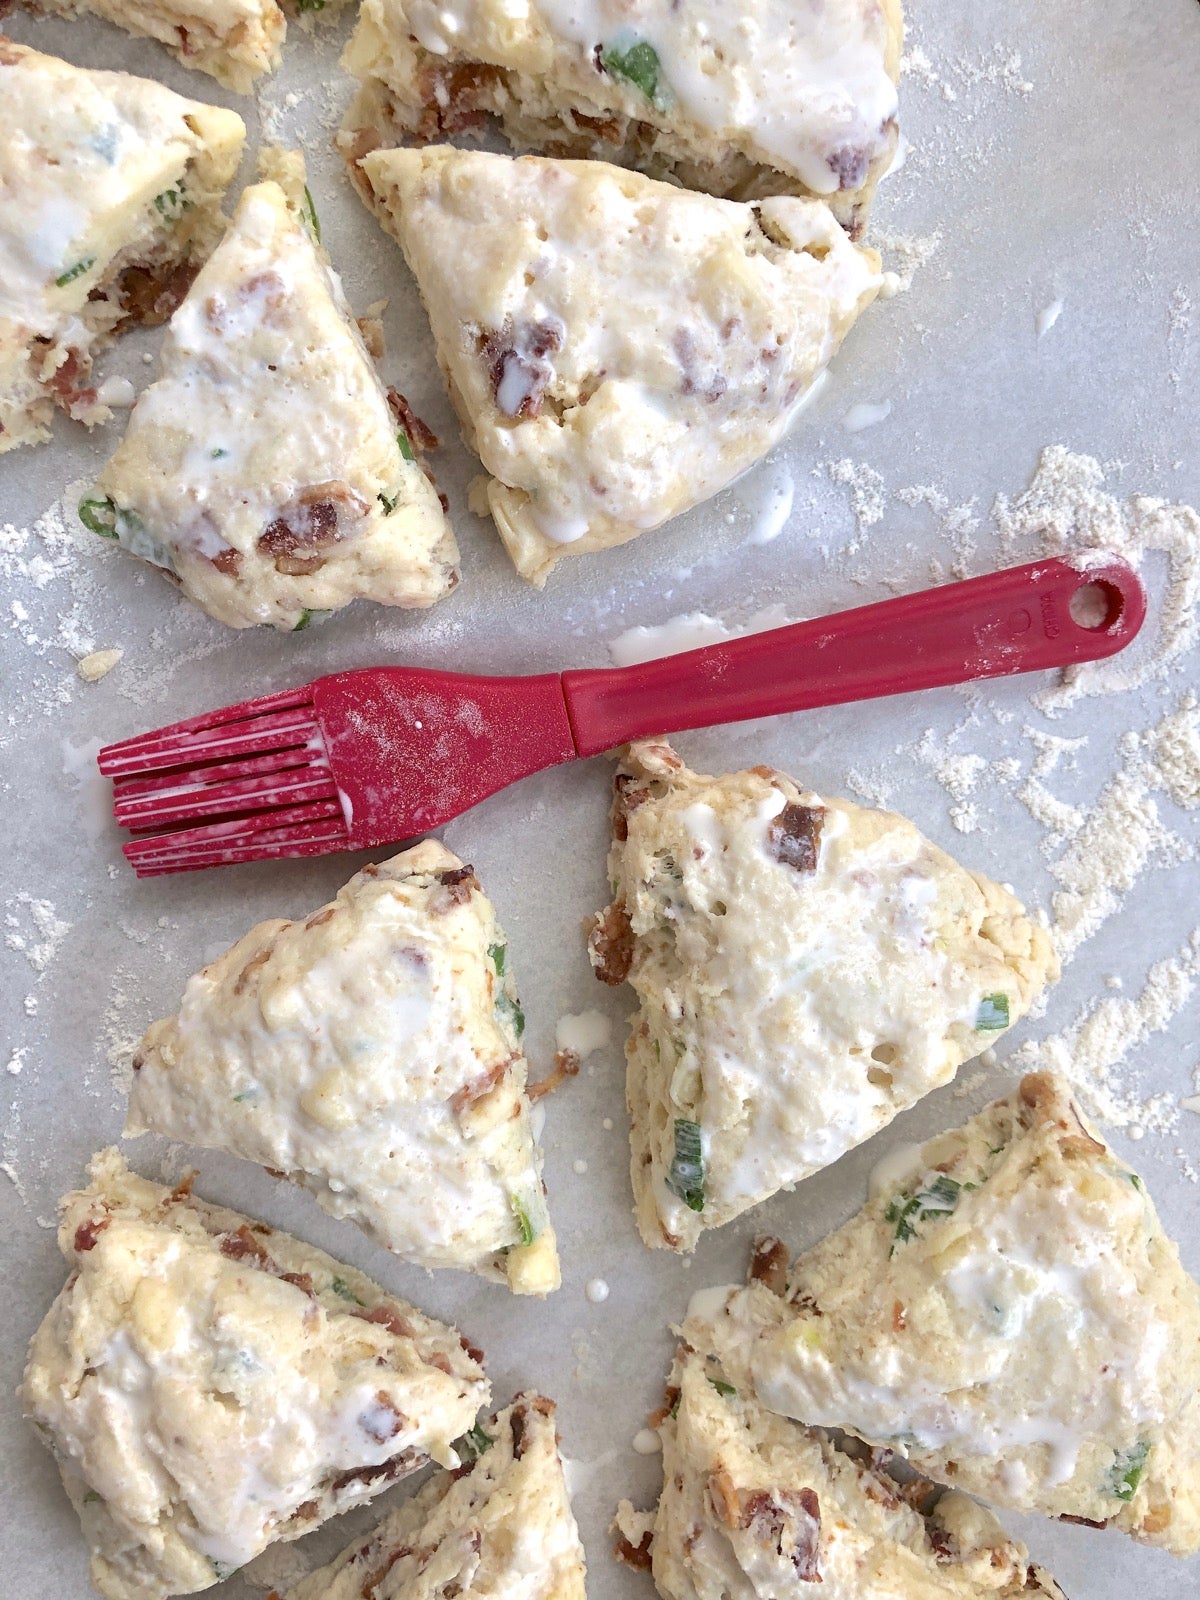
371, 1053
500, 1529
617, 349
805, 969
765, 97
110, 195
755, 1507
209, 1386
1009, 1312
234, 41
268, 471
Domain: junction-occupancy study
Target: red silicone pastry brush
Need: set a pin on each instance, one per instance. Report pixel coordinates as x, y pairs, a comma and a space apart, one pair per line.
383, 754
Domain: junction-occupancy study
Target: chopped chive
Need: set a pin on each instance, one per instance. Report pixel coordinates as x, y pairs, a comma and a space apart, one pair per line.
1126, 1471
686, 1177
221, 1571
523, 1222
312, 220
389, 502
100, 516
637, 63
90, 1498
344, 1292
992, 1013
170, 204
508, 1008
307, 617
722, 1387
674, 1411
473, 1444
310, 5
937, 1200
217, 453
1135, 1180
496, 955
405, 443
77, 271
246, 1094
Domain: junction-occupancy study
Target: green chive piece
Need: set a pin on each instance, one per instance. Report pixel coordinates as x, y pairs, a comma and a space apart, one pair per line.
405, 443
497, 954
992, 1013
221, 1571
1126, 1471
100, 516
722, 1387
686, 1177
90, 1498
473, 1444
674, 1412
389, 502
307, 617
170, 204
217, 453
344, 1292
637, 63
938, 1200
246, 1094
77, 271
310, 5
508, 1008
523, 1222
311, 219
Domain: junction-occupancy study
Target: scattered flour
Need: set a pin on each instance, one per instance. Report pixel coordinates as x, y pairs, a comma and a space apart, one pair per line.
1090, 1052
40, 946
867, 493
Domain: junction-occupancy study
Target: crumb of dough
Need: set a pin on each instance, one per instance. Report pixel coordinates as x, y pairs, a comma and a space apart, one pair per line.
98, 664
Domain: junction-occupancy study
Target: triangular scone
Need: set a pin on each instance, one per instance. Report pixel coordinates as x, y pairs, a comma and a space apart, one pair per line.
501, 1529
755, 1507
267, 469
209, 1385
765, 97
805, 969
110, 195
371, 1053
617, 349
234, 41
1009, 1314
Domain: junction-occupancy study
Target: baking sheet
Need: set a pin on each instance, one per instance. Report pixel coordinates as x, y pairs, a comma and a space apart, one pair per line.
1053, 162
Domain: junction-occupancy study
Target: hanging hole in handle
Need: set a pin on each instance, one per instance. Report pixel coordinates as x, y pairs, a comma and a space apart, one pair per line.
1097, 606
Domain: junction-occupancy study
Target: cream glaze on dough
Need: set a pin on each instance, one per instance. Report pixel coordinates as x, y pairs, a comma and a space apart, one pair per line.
502, 1531
372, 1054
209, 1386
1012, 1306
754, 1507
768, 96
805, 969
617, 349
110, 196
267, 470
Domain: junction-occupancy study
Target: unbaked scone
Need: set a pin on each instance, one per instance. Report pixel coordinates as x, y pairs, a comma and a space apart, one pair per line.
110, 196
234, 41
371, 1053
504, 1530
209, 1386
617, 349
267, 469
765, 97
1009, 1313
755, 1507
805, 969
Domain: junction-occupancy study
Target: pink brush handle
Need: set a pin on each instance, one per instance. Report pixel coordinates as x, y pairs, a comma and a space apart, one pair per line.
1019, 620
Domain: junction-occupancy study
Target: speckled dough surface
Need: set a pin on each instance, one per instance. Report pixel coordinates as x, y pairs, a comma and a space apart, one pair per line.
234, 41
95, 170
209, 1386
805, 969
617, 349
1010, 1304
502, 1531
371, 1053
755, 1507
267, 470
768, 96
